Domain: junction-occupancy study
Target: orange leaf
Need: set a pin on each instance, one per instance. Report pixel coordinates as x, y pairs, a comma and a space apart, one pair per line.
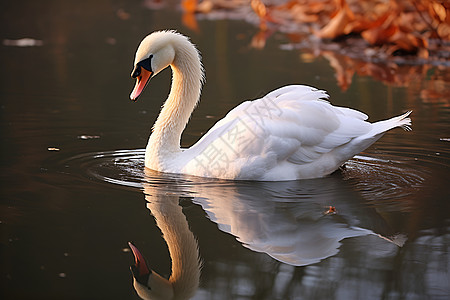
440, 11
443, 31
330, 211
336, 26
259, 8
189, 6
379, 35
408, 42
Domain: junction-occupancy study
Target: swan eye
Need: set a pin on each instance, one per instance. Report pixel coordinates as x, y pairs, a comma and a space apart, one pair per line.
136, 72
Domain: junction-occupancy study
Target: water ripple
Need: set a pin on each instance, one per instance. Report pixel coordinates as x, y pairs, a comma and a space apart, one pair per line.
392, 176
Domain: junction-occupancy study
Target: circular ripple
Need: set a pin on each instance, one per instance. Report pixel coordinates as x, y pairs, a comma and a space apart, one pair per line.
375, 178
123, 167
379, 178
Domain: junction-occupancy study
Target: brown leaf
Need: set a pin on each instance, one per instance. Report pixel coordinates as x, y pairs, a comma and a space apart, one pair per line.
443, 31
379, 35
330, 211
264, 14
336, 26
408, 42
259, 8
302, 14
439, 10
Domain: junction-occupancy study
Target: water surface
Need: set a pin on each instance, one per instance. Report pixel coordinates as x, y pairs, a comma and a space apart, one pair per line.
74, 190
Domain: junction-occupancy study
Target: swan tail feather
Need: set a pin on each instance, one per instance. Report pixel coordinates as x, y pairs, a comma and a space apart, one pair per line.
402, 121
406, 121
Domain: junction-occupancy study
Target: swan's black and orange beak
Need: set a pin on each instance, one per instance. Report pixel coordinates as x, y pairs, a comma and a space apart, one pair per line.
142, 76
140, 270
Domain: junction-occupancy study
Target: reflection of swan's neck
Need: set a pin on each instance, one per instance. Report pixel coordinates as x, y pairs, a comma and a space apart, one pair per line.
182, 245
164, 143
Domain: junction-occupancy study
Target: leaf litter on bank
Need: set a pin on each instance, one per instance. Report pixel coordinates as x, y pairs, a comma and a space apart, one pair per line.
393, 41
417, 28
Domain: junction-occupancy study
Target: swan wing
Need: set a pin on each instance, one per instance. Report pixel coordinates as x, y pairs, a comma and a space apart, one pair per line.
291, 126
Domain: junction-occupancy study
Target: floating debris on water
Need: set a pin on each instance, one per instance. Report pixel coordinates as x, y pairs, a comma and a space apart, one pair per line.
53, 149
330, 211
88, 137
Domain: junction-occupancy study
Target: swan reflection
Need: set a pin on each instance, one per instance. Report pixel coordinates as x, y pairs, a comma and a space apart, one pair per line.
289, 221
184, 279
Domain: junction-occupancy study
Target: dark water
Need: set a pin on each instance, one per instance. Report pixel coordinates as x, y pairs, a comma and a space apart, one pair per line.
73, 186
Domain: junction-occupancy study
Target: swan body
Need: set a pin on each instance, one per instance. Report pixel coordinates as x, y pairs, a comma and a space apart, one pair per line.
291, 133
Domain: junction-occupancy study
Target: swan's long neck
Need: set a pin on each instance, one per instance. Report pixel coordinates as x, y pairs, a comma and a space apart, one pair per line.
187, 77
182, 245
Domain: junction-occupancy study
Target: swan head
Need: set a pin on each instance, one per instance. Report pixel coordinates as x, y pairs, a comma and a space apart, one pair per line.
147, 283
156, 52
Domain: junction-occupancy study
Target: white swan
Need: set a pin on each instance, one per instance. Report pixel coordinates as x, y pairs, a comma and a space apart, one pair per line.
291, 133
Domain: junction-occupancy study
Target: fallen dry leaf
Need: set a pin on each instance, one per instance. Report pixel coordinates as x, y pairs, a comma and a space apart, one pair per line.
403, 25
391, 31
260, 9
379, 35
337, 25
330, 211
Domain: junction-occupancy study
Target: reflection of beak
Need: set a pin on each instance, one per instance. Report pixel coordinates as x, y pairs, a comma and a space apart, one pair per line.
140, 269
141, 81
